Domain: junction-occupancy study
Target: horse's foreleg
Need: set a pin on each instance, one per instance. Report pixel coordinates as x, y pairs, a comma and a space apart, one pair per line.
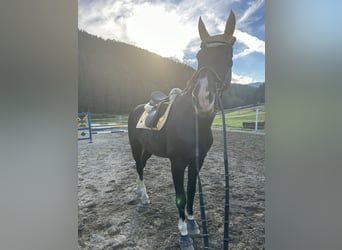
141, 189
192, 179
177, 167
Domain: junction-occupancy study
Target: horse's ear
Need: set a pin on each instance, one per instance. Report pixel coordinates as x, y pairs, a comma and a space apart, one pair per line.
204, 35
230, 25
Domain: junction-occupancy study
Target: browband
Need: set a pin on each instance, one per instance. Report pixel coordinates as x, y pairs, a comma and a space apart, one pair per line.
211, 44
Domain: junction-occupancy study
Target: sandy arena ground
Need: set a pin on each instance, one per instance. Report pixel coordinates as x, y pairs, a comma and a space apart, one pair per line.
111, 216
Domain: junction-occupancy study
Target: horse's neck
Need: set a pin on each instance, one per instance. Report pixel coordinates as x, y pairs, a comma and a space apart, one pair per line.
205, 123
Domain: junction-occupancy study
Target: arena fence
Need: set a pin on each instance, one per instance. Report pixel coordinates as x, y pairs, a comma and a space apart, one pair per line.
108, 129
243, 118
86, 127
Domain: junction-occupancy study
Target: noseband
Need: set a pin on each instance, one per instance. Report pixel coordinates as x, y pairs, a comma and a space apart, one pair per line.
221, 85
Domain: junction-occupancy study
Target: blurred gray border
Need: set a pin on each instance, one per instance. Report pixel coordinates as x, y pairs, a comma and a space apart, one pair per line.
38, 103
303, 125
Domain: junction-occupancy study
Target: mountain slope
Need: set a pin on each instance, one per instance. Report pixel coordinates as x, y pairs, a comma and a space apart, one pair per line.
114, 77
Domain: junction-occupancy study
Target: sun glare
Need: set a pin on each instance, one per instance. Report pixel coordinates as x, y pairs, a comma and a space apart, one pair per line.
159, 30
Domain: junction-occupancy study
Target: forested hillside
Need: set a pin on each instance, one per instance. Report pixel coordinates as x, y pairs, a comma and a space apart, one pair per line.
240, 95
114, 77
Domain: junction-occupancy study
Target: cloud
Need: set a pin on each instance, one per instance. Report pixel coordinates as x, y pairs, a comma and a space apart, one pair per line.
156, 27
242, 79
105, 18
253, 7
191, 61
126, 20
252, 43
168, 28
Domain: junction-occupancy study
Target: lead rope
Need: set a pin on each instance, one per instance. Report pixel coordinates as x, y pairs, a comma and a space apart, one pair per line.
200, 193
225, 157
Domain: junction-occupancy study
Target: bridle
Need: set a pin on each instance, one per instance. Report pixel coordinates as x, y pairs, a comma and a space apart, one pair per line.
221, 84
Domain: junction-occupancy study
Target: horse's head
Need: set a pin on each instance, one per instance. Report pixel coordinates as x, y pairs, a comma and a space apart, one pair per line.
215, 61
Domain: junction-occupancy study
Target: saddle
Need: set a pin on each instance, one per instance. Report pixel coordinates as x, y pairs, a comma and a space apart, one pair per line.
158, 97
157, 110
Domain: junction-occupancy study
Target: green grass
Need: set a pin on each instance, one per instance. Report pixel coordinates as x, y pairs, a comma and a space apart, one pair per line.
236, 118
109, 118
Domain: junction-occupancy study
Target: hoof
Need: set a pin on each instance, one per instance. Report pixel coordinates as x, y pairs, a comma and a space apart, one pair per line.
185, 243
192, 227
145, 200
141, 208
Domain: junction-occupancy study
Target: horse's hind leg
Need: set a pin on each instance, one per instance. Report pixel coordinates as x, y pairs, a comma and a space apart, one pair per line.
141, 156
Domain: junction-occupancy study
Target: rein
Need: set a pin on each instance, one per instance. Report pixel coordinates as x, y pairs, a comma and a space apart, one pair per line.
226, 172
200, 192
225, 157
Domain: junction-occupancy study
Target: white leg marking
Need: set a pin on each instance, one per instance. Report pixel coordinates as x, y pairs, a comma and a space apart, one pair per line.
182, 227
142, 192
191, 217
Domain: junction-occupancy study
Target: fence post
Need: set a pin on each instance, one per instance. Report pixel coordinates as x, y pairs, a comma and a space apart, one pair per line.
256, 119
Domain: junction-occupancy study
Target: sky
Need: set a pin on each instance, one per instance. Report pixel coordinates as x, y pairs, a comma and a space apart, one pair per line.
170, 28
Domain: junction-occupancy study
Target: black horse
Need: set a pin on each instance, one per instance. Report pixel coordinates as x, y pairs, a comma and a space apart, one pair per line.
176, 140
